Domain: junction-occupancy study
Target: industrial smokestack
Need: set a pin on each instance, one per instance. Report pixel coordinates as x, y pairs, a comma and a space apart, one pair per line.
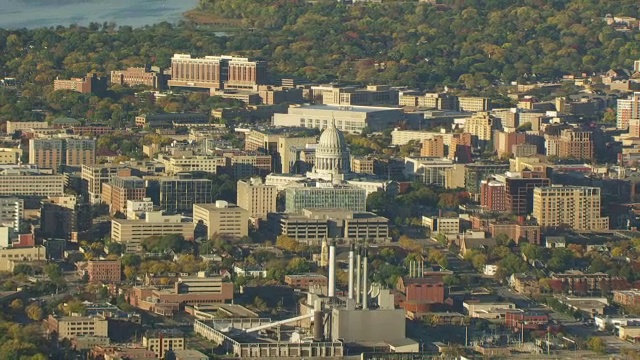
365, 288
332, 270
318, 330
351, 259
358, 275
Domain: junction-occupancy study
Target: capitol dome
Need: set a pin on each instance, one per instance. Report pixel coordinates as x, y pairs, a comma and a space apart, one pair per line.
332, 156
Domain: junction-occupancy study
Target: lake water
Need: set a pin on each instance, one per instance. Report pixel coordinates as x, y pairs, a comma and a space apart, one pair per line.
44, 13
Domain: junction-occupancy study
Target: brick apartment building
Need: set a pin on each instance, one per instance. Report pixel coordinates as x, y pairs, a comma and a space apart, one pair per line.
90, 84
104, 271
627, 297
493, 195
133, 76
305, 281
530, 320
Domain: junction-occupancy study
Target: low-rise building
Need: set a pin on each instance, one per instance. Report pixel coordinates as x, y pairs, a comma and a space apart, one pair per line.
487, 310
9, 257
195, 290
627, 297
442, 225
313, 225
256, 271
305, 281
68, 327
529, 320
221, 218
130, 233
162, 340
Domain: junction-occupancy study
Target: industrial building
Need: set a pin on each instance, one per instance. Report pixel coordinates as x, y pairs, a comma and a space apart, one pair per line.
327, 325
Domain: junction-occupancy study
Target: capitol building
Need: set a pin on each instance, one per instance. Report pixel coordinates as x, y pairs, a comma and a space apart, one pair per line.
332, 156
330, 182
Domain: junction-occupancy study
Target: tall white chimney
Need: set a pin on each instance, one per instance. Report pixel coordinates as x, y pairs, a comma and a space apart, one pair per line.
365, 288
351, 259
332, 270
358, 275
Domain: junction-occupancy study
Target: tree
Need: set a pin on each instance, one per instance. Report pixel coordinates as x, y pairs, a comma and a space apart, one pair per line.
511, 264
16, 305
596, 344
22, 269
286, 243
531, 251
166, 243
34, 312
409, 244
54, 272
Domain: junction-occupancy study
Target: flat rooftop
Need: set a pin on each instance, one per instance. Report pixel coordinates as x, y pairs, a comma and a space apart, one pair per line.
338, 108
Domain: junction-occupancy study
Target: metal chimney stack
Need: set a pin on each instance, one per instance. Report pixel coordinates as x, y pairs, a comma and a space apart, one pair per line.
365, 288
351, 259
332, 269
358, 275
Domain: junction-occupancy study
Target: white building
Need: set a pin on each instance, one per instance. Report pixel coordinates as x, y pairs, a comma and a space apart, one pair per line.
350, 119
136, 208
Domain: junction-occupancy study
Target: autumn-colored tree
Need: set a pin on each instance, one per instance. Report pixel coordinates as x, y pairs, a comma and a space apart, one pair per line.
409, 244
16, 305
34, 312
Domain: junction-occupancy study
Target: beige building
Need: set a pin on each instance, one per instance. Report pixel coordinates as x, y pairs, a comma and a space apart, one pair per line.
51, 153
130, 233
46, 153
10, 155
433, 147
256, 198
474, 104
161, 341
362, 165
441, 225
222, 218
24, 183
575, 206
480, 126
9, 257
188, 162
68, 327
13, 126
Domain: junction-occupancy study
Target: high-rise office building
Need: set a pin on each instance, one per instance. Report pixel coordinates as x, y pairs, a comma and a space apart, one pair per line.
257, 198
575, 206
325, 195
179, 194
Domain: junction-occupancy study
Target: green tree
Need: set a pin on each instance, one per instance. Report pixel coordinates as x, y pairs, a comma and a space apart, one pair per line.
596, 344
